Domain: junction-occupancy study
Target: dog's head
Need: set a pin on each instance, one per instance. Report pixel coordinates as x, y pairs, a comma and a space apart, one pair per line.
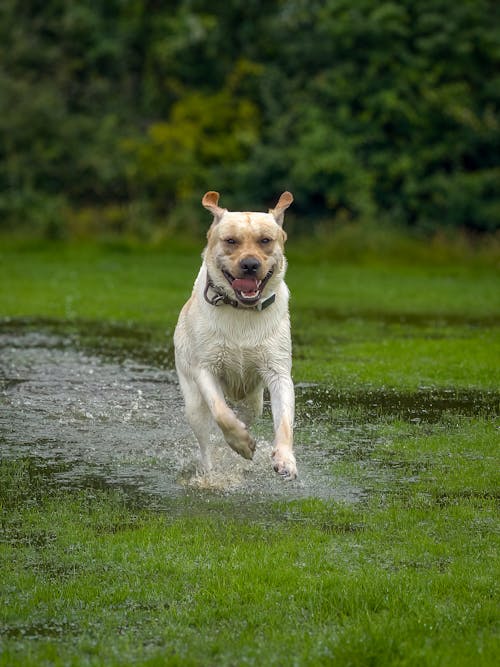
245, 250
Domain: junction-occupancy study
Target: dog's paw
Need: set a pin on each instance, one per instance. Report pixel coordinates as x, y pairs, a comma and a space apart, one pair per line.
284, 464
242, 443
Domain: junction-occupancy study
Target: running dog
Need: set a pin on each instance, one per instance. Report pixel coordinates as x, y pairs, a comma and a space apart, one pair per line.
233, 335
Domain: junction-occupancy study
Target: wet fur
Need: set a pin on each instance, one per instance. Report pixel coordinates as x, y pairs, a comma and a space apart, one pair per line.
231, 354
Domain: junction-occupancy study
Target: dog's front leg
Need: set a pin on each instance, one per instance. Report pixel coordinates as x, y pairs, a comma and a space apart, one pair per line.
235, 432
197, 414
283, 406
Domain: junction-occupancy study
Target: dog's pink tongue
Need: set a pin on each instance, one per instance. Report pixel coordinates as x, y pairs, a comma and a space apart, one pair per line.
245, 284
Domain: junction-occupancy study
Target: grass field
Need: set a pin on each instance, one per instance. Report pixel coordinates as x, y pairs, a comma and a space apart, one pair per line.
400, 357
373, 323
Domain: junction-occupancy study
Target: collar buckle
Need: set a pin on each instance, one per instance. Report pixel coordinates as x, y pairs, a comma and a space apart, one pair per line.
266, 303
219, 298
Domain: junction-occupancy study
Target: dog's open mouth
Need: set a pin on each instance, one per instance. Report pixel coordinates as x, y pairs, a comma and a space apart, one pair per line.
248, 290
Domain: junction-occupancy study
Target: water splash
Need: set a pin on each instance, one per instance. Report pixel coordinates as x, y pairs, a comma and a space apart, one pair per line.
102, 408
120, 422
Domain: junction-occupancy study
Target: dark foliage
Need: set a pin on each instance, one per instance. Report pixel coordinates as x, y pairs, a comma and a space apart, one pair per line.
119, 113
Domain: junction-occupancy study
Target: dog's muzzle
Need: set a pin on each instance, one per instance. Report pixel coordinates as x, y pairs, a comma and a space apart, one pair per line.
248, 290
217, 296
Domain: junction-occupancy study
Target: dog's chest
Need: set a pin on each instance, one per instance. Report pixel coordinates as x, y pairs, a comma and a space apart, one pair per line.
232, 359
238, 346
239, 369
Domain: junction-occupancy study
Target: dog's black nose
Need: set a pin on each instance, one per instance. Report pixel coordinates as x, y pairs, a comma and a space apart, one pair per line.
250, 265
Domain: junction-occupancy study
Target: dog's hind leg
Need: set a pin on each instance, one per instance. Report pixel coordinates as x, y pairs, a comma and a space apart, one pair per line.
199, 418
250, 408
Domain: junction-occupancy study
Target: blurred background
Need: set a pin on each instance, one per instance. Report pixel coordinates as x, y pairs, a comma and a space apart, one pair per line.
117, 115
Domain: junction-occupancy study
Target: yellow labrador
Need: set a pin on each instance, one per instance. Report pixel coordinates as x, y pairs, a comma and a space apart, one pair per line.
233, 335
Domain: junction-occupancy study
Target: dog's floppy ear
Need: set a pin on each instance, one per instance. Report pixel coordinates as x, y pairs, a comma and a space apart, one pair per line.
278, 212
210, 202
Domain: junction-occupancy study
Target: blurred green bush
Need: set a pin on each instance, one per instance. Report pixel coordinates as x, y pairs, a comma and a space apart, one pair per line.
116, 116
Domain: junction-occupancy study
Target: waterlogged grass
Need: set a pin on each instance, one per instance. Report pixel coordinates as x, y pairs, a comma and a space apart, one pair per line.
403, 579
407, 357
369, 323
396, 325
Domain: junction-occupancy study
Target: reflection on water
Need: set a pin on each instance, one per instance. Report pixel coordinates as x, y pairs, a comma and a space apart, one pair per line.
96, 421
101, 409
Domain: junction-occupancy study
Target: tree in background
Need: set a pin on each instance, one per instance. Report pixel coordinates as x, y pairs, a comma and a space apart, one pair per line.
119, 113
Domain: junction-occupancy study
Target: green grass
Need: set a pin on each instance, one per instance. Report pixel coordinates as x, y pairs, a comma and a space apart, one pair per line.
353, 323
406, 579
407, 576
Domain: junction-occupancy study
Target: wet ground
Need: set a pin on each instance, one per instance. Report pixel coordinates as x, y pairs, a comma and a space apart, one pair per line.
98, 405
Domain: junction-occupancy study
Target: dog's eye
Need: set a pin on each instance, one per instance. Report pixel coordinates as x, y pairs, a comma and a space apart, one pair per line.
231, 241
265, 240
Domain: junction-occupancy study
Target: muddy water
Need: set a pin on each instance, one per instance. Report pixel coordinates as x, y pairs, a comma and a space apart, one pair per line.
114, 419
101, 407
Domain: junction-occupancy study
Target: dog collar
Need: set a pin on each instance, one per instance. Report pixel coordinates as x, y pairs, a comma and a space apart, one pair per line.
221, 297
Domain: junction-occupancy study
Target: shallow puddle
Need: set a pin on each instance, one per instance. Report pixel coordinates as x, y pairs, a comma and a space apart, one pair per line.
98, 421
427, 404
100, 407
